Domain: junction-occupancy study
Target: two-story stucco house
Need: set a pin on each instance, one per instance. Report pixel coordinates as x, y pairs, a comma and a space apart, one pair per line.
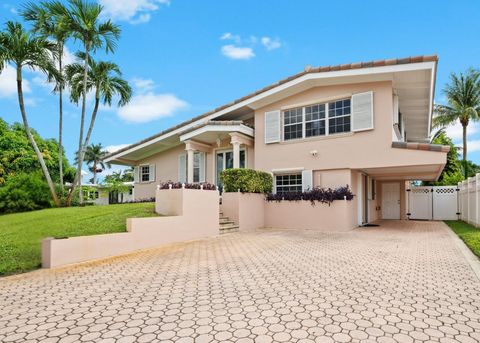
366, 125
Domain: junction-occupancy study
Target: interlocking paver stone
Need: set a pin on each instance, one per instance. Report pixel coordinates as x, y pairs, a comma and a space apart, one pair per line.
400, 282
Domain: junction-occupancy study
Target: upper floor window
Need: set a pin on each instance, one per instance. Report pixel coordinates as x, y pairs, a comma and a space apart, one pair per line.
311, 121
293, 123
339, 116
144, 173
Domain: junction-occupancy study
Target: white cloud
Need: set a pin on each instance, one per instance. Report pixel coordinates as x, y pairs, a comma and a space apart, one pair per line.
237, 52
143, 85
243, 49
8, 83
271, 44
113, 148
229, 36
133, 11
473, 146
147, 107
455, 132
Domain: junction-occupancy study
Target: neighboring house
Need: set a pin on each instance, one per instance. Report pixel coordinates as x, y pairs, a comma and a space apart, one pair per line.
366, 125
102, 195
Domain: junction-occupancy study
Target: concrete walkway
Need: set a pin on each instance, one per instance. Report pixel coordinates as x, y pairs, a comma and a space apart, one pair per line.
400, 282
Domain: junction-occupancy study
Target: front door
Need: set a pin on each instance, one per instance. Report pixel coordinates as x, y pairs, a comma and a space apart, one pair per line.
391, 200
224, 160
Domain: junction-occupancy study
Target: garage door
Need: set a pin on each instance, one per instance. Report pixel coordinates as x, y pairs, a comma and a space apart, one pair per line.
433, 203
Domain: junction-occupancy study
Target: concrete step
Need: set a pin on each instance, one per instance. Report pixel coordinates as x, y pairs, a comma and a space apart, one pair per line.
224, 220
228, 228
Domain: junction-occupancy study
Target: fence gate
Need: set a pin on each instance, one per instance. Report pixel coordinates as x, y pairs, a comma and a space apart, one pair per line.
433, 203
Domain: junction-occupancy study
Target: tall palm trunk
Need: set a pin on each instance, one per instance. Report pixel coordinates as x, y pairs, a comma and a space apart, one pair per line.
82, 122
464, 157
94, 173
60, 118
32, 140
92, 120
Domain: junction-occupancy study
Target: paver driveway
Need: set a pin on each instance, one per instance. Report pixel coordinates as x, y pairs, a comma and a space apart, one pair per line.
403, 281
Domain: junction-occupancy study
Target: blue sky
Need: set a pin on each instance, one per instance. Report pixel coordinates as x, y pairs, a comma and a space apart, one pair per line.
184, 58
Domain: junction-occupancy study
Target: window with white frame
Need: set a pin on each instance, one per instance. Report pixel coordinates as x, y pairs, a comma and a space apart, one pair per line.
196, 166
145, 173
312, 120
293, 123
339, 116
288, 183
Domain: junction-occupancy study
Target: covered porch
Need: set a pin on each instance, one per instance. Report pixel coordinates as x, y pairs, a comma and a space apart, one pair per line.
215, 146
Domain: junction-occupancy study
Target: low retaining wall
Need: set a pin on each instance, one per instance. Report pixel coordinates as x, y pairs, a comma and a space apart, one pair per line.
193, 215
339, 216
252, 211
245, 209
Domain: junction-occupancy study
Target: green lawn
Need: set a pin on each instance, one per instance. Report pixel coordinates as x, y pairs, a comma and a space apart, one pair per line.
468, 233
21, 233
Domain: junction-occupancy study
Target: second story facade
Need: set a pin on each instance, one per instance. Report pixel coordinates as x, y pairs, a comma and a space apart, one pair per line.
321, 127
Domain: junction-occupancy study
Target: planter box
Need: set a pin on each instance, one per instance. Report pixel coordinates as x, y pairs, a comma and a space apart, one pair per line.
339, 216
251, 211
193, 215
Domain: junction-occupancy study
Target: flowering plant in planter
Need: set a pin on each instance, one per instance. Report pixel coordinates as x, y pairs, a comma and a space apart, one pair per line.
322, 195
178, 185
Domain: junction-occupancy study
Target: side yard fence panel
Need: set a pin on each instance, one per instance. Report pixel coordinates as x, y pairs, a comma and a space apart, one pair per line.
470, 200
433, 203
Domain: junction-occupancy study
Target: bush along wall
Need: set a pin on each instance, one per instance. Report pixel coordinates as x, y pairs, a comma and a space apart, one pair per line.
321, 195
246, 181
177, 185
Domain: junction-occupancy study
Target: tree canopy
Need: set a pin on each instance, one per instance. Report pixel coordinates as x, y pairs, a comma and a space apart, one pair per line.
17, 155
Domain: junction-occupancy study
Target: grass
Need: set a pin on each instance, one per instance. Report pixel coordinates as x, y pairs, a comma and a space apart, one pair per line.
21, 233
468, 233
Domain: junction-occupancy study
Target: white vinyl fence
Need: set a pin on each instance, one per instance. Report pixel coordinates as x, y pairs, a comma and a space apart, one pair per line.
469, 200
433, 203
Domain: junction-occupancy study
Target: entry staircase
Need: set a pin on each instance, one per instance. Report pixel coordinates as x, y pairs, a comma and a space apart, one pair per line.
227, 225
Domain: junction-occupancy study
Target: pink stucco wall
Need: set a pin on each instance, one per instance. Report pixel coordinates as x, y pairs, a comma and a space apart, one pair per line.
245, 209
252, 211
353, 150
199, 219
339, 216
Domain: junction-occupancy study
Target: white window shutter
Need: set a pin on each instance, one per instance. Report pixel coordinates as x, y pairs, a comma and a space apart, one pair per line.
272, 127
151, 173
182, 168
135, 175
201, 164
362, 111
395, 110
307, 180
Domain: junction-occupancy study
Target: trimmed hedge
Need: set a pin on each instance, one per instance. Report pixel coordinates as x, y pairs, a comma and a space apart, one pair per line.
246, 181
321, 195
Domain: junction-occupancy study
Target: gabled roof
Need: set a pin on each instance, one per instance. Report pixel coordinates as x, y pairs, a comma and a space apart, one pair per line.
306, 71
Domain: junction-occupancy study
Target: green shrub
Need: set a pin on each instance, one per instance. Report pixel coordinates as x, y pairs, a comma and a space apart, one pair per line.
24, 192
246, 180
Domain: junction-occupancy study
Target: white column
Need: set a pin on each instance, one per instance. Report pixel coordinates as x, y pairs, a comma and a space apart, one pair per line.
236, 154
190, 165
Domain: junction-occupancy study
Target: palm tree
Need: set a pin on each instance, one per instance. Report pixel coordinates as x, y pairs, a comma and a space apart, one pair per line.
463, 104
104, 79
22, 49
83, 18
94, 155
49, 25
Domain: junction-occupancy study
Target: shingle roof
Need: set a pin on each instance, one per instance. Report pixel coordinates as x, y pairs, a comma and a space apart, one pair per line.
307, 70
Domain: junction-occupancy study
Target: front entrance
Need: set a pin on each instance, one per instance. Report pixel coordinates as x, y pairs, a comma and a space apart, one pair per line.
391, 200
224, 160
